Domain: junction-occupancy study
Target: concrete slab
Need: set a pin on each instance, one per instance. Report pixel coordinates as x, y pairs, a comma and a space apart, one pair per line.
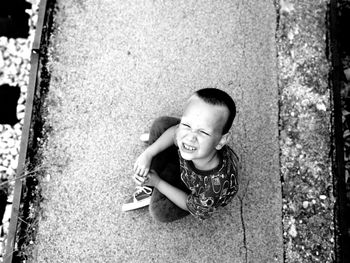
116, 66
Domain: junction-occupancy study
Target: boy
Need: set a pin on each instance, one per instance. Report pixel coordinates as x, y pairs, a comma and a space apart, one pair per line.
187, 167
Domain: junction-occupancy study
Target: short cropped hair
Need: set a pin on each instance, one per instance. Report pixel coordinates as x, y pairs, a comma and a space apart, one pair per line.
219, 97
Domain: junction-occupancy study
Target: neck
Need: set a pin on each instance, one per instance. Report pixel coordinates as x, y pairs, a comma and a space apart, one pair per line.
207, 164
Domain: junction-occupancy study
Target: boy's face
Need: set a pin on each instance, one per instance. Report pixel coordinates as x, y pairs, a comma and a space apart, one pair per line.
199, 135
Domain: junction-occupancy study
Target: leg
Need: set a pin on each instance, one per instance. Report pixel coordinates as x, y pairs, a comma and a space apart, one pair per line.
167, 165
159, 126
161, 208
142, 196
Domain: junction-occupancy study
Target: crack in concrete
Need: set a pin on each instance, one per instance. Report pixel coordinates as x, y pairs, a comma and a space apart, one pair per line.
244, 230
245, 247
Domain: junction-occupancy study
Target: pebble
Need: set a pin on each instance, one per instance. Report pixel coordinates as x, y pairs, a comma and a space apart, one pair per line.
21, 108
347, 74
10, 143
20, 115
13, 164
293, 230
305, 204
2, 62
323, 197
321, 107
7, 214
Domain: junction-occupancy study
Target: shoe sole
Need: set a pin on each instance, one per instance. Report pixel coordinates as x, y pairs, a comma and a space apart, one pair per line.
144, 137
137, 205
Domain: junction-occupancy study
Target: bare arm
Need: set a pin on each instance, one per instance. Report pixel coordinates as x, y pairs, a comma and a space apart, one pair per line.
163, 142
177, 196
143, 162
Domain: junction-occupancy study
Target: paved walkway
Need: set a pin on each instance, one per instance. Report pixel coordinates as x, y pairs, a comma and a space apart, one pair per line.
119, 65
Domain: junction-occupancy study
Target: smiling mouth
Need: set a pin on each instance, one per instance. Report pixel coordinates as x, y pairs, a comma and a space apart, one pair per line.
188, 147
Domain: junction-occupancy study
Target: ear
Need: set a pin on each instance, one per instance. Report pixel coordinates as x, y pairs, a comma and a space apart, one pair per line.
223, 141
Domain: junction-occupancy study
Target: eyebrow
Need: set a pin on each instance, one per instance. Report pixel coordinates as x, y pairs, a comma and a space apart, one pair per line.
206, 130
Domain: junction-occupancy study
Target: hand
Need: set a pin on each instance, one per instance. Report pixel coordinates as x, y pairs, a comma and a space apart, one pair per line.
143, 164
139, 180
152, 179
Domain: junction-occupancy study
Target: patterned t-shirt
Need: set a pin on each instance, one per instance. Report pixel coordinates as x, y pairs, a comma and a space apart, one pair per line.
213, 188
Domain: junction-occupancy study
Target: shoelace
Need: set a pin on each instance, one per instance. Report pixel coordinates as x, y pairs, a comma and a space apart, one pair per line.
145, 189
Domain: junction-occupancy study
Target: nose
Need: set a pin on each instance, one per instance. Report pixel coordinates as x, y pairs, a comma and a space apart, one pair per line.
192, 136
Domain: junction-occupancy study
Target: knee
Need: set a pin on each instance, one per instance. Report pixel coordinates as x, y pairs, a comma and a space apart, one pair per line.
165, 122
157, 214
160, 125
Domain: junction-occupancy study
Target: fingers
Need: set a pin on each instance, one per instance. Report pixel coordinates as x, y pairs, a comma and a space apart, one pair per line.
141, 170
139, 180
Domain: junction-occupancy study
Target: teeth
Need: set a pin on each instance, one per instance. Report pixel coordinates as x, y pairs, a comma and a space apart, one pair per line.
187, 147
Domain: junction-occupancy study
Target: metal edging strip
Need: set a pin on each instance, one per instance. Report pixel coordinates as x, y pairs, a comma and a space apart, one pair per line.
341, 243
33, 82
40, 25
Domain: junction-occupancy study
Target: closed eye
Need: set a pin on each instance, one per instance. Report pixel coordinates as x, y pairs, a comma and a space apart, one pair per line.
186, 125
205, 133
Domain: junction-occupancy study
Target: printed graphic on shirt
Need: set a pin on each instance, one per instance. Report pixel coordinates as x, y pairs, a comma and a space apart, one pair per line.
209, 191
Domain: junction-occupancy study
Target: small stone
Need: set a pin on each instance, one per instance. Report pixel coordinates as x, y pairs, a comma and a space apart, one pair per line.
18, 129
11, 46
321, 107
10, 172
3, 145
7, 214
5, 162
47, 177
2, 62
20, 107
20, 115
3, 41
10, 143
323, 197
17, 61
347, 74
292, 231
12, 70
21, 100
305, 204
14, 152
286, 6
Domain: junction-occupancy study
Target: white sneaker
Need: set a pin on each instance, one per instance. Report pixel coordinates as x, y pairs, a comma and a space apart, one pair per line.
144, 137
140, 198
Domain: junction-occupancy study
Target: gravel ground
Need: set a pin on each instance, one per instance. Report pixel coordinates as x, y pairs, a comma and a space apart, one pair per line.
305, 132
14, 70
344, 7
